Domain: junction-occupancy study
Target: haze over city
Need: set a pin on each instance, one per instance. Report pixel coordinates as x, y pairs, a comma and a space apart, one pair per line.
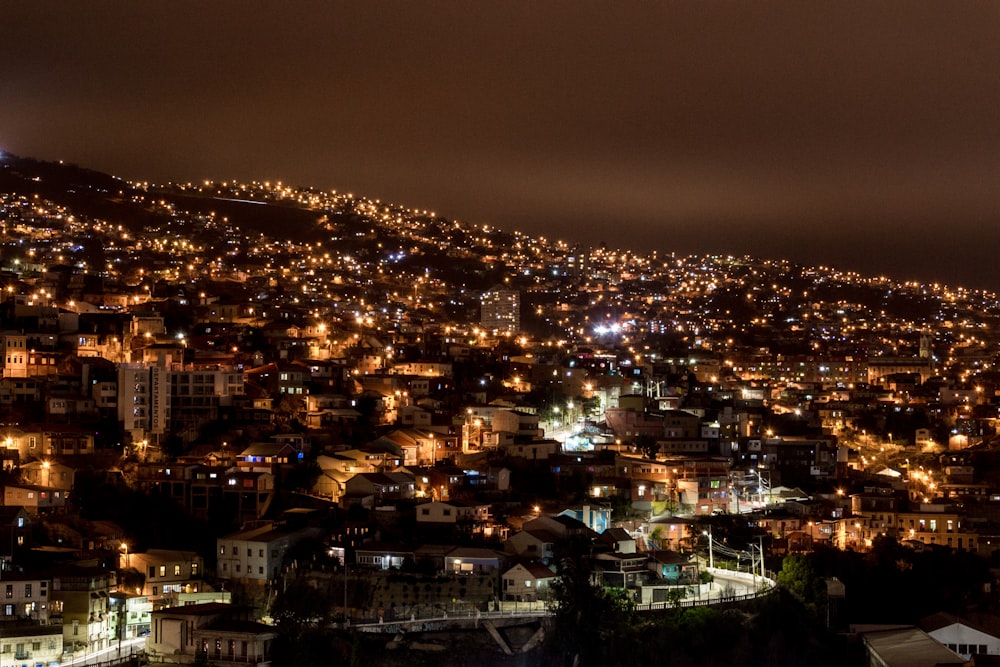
856, 135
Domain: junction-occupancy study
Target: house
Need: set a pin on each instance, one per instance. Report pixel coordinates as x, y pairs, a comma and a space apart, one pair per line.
34, 499
621, 570
618, 540
131, 614
15, 534
330, 484
963, 636
526, 582
469, 560
563, 525
670, 533
416, 446
465, 518
31, 644
256, 554
445, 481
212, 632
535, 544
82, 593
268, 457
33, 441
375, 488
532, 450
415, 416
905, 646
167, 570
673, 567
379, 459
49, 473
25, 598
594, 517
382, 555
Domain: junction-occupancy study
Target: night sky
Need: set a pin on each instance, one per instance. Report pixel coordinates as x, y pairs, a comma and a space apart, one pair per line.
855, 134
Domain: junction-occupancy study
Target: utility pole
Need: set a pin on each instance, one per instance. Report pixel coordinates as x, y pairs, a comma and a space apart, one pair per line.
711, 556
762, 575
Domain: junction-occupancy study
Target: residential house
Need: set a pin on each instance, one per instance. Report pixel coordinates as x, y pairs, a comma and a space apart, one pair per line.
527, 582
563, 525
621, 570
34, 499
256, 554
906, 646
25, 598
673, 567
36, 441
167, 570
30, 643
269, 457
415, 416
131, 614
378, 458
416, 446
81, 595
15, 534
538, 544
963, 636
213, 632
51, 474
473, 560
669, 533
375, 488
936, 524
618, 540
466, 519
531, 450
594, 517
383, 555
445, 481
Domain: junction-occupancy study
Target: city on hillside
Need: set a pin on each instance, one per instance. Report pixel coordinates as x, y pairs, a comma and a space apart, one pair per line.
213, 394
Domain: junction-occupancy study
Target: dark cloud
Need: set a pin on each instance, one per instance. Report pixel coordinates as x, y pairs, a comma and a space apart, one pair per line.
857, 134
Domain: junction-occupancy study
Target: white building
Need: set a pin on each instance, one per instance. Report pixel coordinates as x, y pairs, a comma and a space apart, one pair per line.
14, 354
960, 635
257, 554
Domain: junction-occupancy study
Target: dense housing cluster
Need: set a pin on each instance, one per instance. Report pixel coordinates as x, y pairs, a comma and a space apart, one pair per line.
322, 385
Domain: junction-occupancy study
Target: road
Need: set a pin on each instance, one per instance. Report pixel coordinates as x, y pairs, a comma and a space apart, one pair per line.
103, 657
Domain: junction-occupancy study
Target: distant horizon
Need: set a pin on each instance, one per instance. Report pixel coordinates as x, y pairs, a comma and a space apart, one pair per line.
587, 240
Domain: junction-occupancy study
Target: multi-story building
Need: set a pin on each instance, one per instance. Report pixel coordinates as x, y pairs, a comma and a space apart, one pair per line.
153, 398
167, 570
501, 310
143, 400
81, 595
14, 354
256, 554
30, 643
25, 599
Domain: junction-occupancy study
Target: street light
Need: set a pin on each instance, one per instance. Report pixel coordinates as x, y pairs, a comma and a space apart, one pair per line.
711, 556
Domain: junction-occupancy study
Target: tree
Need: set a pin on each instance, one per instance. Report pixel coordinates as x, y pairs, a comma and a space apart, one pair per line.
799, 579
303, 476
302, 606
646, 445
593, 625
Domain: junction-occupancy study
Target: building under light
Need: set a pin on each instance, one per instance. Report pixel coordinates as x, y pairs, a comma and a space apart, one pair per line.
501, 310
